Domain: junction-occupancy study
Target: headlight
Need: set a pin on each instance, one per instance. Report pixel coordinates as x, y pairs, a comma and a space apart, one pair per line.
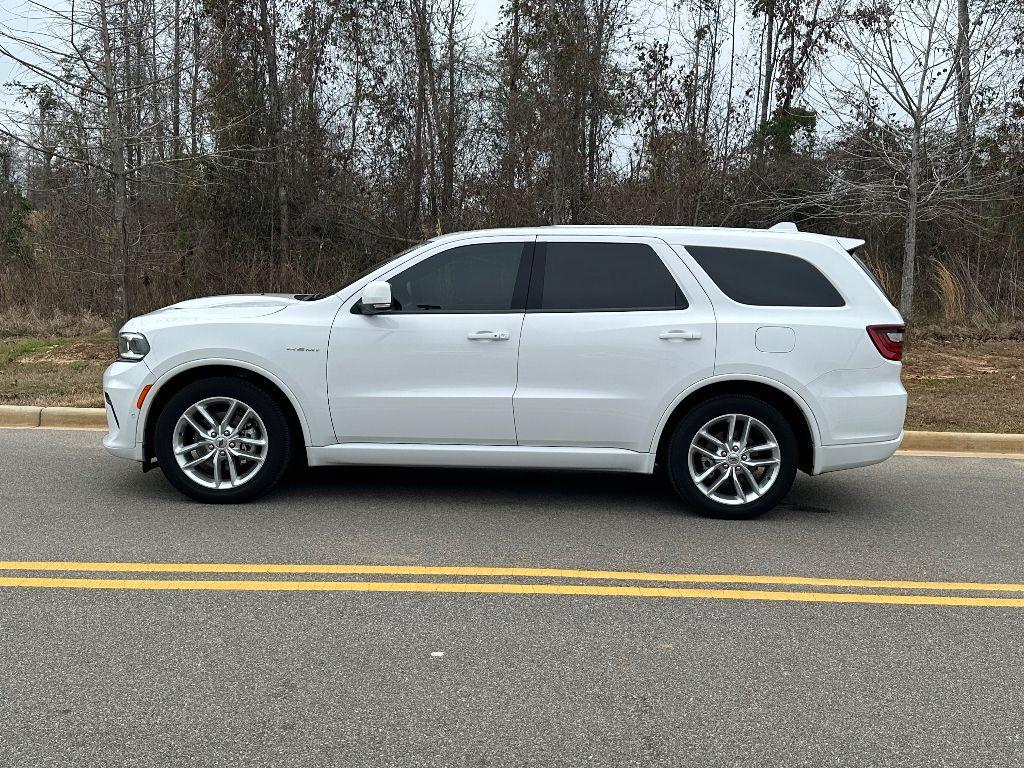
131, 347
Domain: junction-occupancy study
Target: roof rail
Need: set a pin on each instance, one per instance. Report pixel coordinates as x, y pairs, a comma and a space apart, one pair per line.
784, 226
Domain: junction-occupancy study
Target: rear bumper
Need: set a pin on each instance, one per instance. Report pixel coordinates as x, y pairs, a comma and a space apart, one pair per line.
122, 383
829, 458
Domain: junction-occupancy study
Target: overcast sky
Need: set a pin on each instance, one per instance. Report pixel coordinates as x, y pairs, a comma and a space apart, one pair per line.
20, 16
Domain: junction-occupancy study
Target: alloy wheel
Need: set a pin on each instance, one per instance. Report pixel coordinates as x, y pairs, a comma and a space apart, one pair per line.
734, 459
220, 442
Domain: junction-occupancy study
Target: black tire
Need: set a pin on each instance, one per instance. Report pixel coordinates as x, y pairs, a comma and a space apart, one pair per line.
279, 439
677, 459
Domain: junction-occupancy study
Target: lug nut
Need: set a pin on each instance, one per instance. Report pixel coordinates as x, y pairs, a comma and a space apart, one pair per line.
227, 431
213, 433
231, 445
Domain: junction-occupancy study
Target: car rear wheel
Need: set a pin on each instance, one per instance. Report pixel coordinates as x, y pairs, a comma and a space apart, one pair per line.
223, 440
732, 457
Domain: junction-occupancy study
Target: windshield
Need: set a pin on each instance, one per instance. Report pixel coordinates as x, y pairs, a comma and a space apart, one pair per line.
373, 267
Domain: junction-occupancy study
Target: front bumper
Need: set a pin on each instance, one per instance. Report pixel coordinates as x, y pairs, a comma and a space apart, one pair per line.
122, 384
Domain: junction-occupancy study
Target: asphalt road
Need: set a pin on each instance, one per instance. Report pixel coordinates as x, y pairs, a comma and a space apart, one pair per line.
98, 677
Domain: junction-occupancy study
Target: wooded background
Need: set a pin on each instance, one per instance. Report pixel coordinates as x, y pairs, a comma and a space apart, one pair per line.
154, 150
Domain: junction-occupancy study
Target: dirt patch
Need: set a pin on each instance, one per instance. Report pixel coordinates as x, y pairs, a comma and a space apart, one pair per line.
55, 371
966, 386
92, 348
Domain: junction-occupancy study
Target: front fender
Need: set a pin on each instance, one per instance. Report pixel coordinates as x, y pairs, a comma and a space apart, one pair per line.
168, 371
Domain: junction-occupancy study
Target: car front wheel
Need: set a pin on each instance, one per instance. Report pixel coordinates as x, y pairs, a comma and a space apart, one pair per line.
223, 440
733, 457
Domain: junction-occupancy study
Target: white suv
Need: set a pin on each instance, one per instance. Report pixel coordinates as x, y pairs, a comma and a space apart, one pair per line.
729, 357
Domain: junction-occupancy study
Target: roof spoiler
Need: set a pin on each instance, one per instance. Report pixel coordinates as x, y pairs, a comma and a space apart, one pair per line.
850, 244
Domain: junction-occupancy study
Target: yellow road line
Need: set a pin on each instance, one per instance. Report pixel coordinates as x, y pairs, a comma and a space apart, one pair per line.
492, 572
508, 589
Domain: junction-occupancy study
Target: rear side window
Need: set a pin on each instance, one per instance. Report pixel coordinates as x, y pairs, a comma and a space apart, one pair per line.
867, 271
595, 277
766, 278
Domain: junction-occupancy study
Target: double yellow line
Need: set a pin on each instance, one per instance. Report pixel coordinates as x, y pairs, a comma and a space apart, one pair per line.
517, 581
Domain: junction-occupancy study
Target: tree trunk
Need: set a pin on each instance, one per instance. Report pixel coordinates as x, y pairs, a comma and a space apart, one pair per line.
276, 135
963, 91
769, 61
193, 113
176, 85
118, 229
910, 232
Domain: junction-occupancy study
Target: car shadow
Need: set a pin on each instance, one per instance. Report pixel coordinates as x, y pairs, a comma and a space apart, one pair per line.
552, 488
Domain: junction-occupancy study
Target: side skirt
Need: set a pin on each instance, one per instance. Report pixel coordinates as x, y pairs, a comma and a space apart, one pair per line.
504, 456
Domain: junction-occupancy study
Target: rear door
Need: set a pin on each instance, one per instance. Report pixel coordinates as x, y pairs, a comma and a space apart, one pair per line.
615, 329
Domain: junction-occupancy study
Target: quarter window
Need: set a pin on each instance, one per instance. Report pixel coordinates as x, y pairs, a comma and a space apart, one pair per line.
766, 278
594, 277
468, 278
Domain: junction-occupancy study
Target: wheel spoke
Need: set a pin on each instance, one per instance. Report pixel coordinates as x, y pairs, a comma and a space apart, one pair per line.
706, 452
206, 415
753, 482
763, 447
732, 429
250, 440
706, 474
226, 421
762, 463
216, 470
190, 448
718, 482
746, 434
740, 494
197, 462
245, 418
192, 423
232, 470
711, 438
253, 457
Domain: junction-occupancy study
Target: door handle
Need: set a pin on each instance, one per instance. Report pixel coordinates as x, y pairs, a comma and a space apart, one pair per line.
679, 335
487, 336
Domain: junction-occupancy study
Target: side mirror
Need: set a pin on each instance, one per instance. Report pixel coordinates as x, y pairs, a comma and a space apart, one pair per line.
375, 298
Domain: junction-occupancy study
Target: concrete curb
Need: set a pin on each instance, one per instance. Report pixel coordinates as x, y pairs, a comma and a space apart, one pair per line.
58, 417
963, 442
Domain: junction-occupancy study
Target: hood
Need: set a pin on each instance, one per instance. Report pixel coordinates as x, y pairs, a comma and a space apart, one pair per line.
229, 307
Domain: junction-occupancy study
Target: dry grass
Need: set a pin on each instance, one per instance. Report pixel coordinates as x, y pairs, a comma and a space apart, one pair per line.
955, 384
30, 322
55, 371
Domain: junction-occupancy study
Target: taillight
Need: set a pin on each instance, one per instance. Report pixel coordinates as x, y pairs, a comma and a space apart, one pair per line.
888, 340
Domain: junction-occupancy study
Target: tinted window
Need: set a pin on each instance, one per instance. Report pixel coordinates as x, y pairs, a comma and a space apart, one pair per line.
764, 278
467, 278
602, 276
867, 271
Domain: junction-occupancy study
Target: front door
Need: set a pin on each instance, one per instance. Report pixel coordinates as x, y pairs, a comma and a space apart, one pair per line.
615, 330
440, 367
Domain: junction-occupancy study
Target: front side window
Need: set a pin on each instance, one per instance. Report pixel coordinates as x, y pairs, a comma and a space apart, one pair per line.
595, 277
766, 278
480, 277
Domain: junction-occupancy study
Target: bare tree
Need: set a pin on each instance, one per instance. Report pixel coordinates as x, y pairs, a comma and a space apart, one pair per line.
903, 152
99, 71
